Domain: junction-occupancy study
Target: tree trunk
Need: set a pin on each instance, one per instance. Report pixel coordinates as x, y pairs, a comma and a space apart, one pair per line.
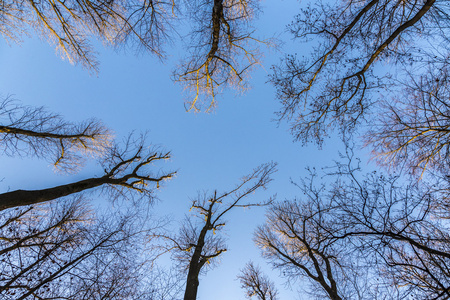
23, 197
195, 266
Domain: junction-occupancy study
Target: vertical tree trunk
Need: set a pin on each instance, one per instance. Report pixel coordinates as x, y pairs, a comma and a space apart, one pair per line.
192, 284
195, 266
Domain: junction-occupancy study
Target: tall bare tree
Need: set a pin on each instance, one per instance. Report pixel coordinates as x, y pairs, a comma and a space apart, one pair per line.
62, 250
71, 24
256, 284
126, 174
223, 49
199, 243
292, 243
358, 45
36, 132
360, 228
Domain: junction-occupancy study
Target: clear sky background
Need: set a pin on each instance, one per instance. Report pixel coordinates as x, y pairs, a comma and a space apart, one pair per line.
210, 151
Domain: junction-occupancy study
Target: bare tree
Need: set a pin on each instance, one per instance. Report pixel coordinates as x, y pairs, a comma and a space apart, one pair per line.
292, 243
199, 244
223, 46
255, 283
126, 171
414, 131
223, 49
222, 52
70, 24
63, 251
60, 249
358, 229
340, 85
34, 131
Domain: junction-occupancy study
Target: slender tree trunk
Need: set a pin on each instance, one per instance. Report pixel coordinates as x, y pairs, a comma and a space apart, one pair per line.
195, 266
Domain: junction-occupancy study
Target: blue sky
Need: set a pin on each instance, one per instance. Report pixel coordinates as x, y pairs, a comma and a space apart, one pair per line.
210, 151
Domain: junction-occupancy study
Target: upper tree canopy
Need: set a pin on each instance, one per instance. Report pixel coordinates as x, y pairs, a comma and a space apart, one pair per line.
222, 45
385, 62
379, 68
379, 61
